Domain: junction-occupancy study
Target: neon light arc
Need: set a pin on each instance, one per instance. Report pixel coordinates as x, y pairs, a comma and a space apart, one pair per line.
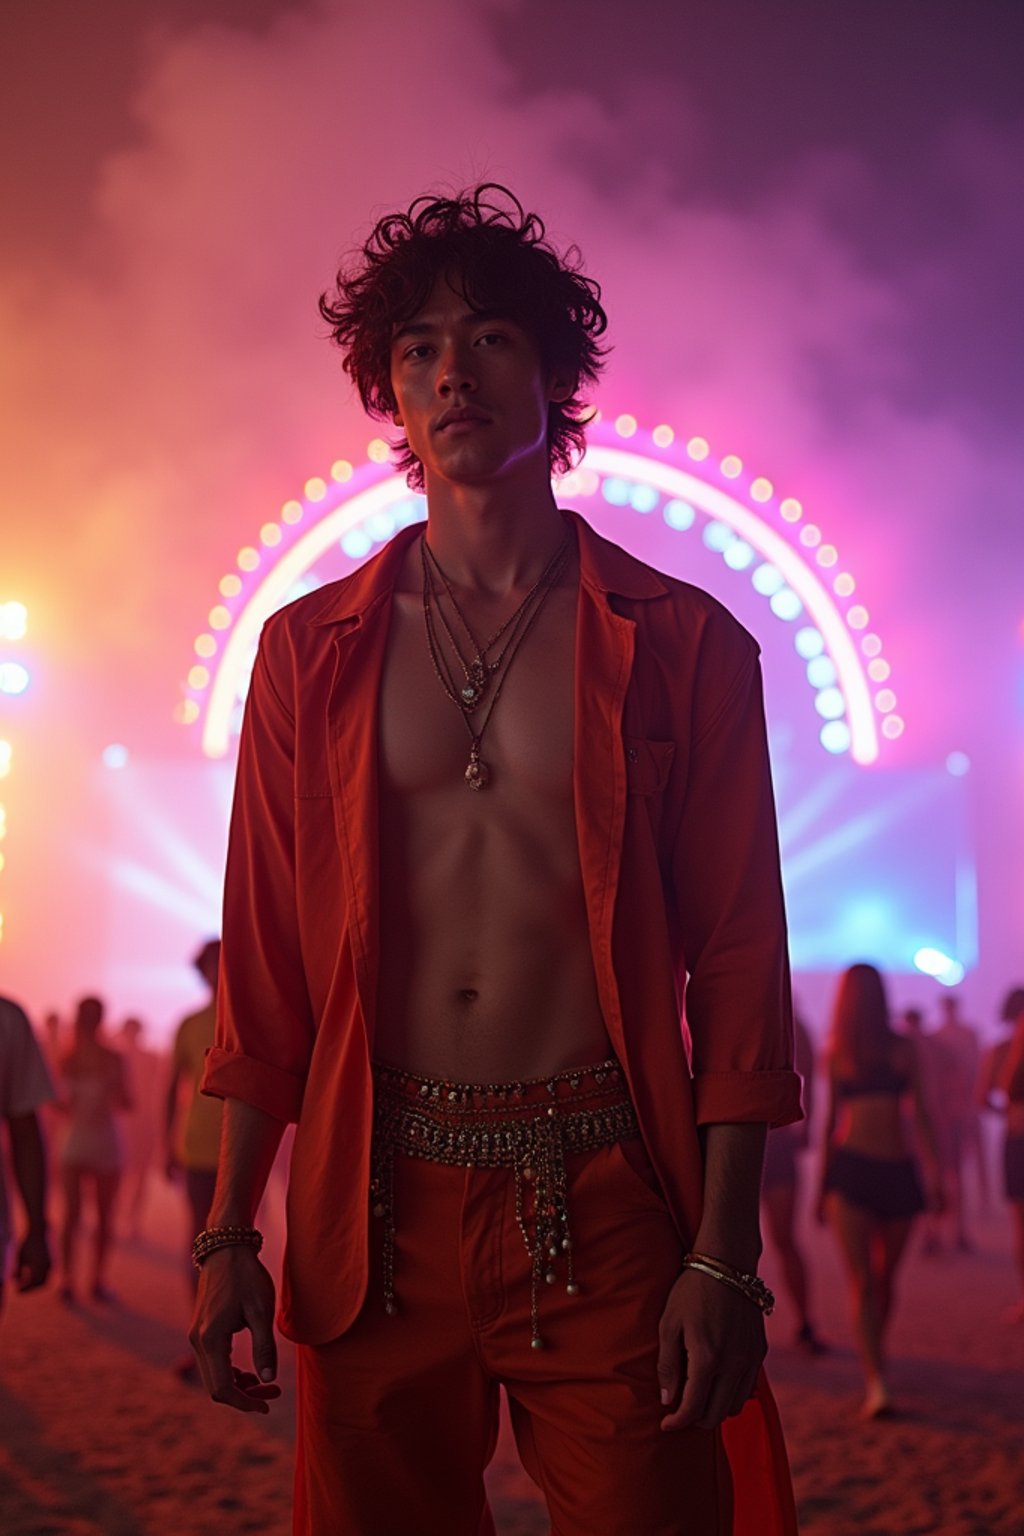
377, 491
804, 581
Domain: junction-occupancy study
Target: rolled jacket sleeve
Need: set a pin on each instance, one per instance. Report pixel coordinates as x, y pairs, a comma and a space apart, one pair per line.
728, 889
264, 1018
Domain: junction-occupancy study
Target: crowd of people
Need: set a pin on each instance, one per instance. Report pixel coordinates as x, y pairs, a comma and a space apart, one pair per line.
85, 1107
901, 1128
900, 1139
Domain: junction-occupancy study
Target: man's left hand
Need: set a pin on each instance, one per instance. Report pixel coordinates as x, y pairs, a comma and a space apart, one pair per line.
32, 1265
711, 1347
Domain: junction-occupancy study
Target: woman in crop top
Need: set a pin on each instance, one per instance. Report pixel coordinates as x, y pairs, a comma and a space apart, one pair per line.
1002, 1089
871, 1189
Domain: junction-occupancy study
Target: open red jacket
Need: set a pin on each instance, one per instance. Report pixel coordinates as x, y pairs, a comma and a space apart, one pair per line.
678, 850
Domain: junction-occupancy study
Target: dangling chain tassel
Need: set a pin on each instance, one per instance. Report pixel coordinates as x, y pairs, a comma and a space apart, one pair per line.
547, 1235
450, 1124
382, 1197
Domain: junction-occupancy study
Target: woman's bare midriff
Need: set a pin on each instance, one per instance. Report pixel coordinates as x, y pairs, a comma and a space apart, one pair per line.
486, 972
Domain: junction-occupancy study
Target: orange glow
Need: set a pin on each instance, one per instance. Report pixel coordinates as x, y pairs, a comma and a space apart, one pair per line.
291, 512
198, 677
791, 510
378, 451
270, 534
810, 535
625, 426
663, 436
827, 555
878, 670
731, 466
315, 489
698, 448
186, 712
762, 489
871, 645
229, 586
6, 757
857, 618
219, 617
248, 558
844, 585
205, 645
341, 470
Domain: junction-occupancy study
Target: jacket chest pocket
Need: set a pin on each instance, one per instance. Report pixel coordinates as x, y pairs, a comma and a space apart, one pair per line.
648, 764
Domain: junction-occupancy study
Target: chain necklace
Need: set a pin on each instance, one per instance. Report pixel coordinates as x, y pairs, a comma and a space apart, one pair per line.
517, 625
478, 670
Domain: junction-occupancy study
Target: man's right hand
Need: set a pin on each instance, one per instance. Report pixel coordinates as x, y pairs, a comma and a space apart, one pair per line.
235, 1293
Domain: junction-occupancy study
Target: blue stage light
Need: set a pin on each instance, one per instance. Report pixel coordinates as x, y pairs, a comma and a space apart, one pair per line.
679, 514
644, 498
934, 962
835, 736
830, 703
785, 604
14, 678
821, 672
738, 555
356, 543
767, 580
718, 536
809, 642
616, 492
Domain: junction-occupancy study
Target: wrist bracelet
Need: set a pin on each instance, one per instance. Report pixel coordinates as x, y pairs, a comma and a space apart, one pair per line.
750, 1286
212, 1238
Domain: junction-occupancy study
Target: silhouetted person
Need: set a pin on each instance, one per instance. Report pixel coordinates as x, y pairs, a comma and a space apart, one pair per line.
871, 1188
193, 1120
25, 1087
139, 1127
959, 1040
93, 1094
502, 794
780, 1195
934, 1067
1002, 1089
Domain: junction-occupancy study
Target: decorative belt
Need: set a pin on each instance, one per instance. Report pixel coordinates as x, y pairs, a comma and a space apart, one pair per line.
529, 1127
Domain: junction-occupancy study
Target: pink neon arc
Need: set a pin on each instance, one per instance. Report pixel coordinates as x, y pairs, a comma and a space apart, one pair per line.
664, 477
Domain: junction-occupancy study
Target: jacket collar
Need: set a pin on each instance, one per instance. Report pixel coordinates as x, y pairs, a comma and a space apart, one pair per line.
604, 567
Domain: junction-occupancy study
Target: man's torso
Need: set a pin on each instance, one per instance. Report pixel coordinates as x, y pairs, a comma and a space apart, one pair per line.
485, 968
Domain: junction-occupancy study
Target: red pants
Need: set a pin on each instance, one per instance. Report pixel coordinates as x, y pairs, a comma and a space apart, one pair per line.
398, 1417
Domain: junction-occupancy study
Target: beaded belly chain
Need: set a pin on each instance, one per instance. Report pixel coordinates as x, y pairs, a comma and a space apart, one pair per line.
529, 1127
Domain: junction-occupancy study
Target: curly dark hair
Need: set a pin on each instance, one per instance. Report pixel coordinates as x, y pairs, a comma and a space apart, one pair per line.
497, 252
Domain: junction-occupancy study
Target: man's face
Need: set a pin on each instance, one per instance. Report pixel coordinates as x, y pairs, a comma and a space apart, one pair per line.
471, 391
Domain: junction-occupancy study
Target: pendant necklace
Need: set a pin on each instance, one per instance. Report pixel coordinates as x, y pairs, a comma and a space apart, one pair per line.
478, 671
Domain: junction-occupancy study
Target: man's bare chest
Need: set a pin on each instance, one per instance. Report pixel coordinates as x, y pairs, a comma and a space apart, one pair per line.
523, 722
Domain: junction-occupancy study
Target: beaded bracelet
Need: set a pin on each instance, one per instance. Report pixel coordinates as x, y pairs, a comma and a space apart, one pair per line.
212, 1238
750, 1286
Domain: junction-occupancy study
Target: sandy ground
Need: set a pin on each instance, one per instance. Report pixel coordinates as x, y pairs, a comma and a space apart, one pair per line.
99, 1438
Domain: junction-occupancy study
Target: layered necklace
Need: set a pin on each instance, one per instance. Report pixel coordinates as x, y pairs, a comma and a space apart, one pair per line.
483, 665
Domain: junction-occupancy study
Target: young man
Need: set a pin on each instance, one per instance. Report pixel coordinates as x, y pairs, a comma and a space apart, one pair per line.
500, 791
